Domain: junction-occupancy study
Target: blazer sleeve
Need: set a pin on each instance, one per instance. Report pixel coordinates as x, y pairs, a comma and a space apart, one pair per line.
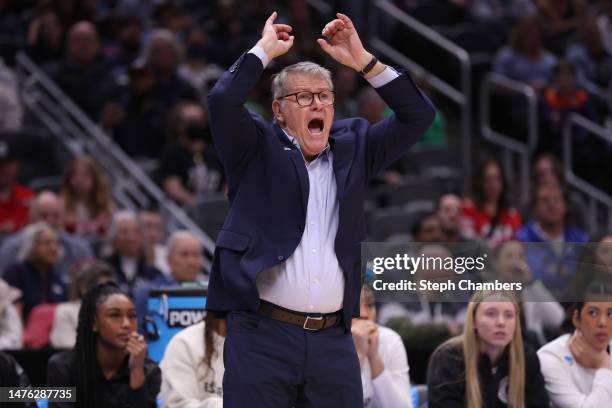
234, 131
389, 139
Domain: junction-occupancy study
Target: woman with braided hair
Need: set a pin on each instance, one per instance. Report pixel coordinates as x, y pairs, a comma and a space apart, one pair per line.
108, 365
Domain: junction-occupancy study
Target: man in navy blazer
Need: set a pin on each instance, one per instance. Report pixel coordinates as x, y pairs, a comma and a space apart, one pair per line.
286, 267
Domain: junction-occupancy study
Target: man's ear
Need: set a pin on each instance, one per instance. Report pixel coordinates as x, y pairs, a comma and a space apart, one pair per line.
278, 115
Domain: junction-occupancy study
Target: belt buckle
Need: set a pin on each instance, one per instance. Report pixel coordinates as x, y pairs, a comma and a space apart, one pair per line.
311, 318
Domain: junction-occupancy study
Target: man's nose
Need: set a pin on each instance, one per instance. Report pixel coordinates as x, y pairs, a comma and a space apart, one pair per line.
316, 103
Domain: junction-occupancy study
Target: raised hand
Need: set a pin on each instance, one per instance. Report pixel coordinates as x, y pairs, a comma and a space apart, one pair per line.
137, 348
342, 43
275, 39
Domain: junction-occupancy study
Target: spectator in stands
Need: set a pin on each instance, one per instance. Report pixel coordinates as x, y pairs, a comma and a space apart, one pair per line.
382, 357
198, 71
124, 49
124, 250
11, 328
46, 38
596, 265
64, 329
35, 273
48, 207
109, 364
547, 169
488, 366
577, 367
426, 317
524, 59
428, 228
14, 198
542, 313
449, 215
604, 21
12, 375
487, 213
10, 102
86, 197
192, 367
190, 169
553, 259
153, 234
559, 20
83, 75
137, 119
560, 99
186, 261
592, 60
163, 54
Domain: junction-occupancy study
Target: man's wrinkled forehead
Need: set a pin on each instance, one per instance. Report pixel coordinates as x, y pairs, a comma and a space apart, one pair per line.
306, 82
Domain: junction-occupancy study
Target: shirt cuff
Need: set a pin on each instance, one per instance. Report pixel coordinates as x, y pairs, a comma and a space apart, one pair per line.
261, 54
388, 75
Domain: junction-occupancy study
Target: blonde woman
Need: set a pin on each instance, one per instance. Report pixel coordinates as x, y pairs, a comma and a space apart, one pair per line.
488, 366
86, 197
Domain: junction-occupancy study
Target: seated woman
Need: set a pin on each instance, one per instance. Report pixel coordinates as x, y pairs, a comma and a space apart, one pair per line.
382, 357
192, 366
541, 312
35, 274
577, 367
109, 365
11, 329
66, 317
87, 198
488, 366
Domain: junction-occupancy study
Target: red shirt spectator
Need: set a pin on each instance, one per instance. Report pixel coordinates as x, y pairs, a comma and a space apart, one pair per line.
14, 207
477, 224
14, 198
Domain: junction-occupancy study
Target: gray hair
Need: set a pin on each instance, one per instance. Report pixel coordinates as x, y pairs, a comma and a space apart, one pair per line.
28, 239
167, 36
279, 81
119, 216
177, 236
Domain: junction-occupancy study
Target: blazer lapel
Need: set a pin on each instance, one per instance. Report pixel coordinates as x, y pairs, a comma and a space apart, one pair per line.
298, 162
342, 148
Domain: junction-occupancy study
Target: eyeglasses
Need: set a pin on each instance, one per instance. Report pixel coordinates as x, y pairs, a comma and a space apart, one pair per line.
306, 98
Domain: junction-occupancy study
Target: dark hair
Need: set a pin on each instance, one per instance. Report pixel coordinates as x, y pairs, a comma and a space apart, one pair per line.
85, 349
418, 224
557, 167
564, 65
88, 274
211, 324
596, 291
477, 184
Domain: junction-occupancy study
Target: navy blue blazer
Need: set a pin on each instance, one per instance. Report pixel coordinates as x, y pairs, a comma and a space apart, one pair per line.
268, 183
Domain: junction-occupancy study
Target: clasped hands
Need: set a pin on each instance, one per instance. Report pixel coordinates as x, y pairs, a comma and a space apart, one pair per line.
341, 41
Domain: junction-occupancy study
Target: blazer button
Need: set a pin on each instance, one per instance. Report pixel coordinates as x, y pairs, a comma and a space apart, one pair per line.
280, 257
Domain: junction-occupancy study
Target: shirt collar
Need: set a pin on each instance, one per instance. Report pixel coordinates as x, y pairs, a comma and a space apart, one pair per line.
324, 154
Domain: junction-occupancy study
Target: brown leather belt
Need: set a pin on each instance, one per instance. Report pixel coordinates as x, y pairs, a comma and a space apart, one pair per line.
306, 321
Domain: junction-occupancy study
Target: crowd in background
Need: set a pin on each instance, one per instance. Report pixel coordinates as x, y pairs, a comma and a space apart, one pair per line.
142, 71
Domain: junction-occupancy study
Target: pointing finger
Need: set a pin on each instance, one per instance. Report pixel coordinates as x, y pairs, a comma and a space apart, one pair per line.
271, 19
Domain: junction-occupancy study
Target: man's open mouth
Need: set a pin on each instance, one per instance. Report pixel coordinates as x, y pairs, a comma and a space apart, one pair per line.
315, 126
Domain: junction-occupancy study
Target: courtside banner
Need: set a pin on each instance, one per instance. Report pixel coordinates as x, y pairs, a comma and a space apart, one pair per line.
452, 272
